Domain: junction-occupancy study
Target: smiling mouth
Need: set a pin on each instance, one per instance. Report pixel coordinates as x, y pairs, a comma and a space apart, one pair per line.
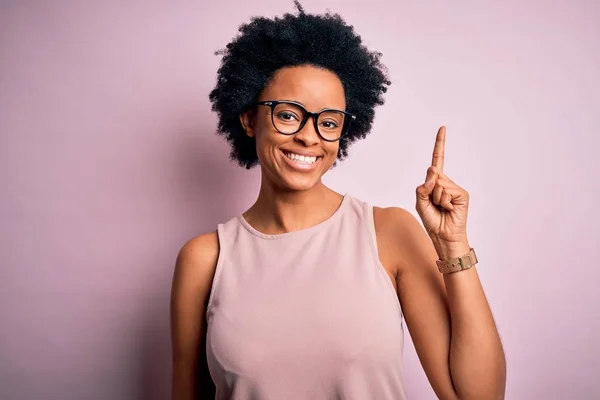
308, 160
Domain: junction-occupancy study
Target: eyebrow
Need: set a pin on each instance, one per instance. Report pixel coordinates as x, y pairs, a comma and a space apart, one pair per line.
303, 105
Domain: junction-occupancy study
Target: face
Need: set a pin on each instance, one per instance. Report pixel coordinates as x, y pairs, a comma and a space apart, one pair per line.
281, 155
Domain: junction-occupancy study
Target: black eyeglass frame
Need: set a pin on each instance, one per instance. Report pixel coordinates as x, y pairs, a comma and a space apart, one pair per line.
307, 114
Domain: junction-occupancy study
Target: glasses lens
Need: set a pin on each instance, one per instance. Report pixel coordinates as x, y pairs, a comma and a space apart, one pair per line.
331, 124
288, 117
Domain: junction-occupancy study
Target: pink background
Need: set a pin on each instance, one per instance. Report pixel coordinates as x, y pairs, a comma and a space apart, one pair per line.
109, 163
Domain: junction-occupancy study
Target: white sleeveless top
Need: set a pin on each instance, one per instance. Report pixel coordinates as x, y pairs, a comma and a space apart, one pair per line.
309, 314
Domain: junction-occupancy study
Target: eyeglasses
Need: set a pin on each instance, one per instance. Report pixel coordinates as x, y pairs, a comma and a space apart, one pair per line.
289, 117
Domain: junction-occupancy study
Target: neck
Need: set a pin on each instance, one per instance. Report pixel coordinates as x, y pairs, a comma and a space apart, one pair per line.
279, 211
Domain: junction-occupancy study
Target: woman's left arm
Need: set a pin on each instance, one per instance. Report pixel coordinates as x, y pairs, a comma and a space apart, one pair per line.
477, 362
448, 315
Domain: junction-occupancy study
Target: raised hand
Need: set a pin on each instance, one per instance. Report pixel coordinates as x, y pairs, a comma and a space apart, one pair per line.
441, 203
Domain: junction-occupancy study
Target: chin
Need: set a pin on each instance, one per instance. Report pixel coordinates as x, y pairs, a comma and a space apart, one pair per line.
297, 181
301, 187
294, 175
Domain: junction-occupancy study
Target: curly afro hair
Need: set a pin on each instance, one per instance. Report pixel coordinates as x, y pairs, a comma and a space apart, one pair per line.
266, 45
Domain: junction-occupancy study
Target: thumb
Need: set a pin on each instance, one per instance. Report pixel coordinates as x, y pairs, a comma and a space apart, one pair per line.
424, 191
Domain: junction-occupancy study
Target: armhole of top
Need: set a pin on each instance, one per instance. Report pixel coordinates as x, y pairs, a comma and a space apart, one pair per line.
373, 233
371, 219
218, 267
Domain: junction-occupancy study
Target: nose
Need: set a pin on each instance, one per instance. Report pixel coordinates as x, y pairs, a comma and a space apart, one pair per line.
308, 135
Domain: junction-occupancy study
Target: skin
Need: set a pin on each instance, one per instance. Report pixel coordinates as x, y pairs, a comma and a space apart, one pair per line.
448, 316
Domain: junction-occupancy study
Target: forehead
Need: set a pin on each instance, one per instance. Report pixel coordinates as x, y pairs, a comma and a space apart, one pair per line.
316, 88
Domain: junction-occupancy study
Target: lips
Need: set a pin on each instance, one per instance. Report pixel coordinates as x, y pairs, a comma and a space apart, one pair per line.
301, 158
301, 162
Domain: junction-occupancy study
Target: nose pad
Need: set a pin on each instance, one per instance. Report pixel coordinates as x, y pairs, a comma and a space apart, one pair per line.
308, 134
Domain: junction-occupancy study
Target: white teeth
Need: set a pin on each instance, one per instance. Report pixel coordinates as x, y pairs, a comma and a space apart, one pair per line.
302, 159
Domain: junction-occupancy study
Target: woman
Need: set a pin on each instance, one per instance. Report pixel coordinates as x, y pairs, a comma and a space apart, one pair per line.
303, 296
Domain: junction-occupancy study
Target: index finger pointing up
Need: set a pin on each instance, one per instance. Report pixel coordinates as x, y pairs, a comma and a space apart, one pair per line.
438, 151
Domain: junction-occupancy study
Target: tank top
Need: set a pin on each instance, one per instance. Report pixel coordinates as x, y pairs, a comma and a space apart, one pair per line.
308, 314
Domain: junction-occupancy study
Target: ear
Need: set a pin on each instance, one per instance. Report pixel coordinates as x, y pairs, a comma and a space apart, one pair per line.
247, 120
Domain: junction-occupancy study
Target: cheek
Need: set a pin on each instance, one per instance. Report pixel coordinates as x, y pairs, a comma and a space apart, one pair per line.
267, 140
332, 150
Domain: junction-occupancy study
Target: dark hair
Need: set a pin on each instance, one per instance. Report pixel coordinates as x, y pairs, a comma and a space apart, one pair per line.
264, 46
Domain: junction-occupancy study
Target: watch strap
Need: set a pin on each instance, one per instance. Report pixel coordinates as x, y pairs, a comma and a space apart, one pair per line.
458, 263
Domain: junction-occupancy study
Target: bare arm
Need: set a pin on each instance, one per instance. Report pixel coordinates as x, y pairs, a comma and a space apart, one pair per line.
448, 316
192, 281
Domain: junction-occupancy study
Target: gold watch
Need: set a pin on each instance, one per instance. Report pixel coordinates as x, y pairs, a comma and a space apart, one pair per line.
457, 264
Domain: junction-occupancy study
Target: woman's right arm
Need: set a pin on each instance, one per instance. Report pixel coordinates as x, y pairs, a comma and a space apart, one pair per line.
192, 281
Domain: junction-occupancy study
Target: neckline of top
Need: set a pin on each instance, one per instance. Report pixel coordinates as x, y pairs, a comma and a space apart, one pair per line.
320, 225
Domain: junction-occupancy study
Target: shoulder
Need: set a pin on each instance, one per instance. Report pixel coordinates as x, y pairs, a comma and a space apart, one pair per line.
398, 229
396, 221
202, 249
197, 261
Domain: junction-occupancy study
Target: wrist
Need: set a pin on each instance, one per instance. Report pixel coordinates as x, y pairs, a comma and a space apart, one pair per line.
447, 250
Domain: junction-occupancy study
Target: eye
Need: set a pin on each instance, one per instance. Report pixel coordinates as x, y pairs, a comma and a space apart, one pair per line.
287, 116
329, 124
